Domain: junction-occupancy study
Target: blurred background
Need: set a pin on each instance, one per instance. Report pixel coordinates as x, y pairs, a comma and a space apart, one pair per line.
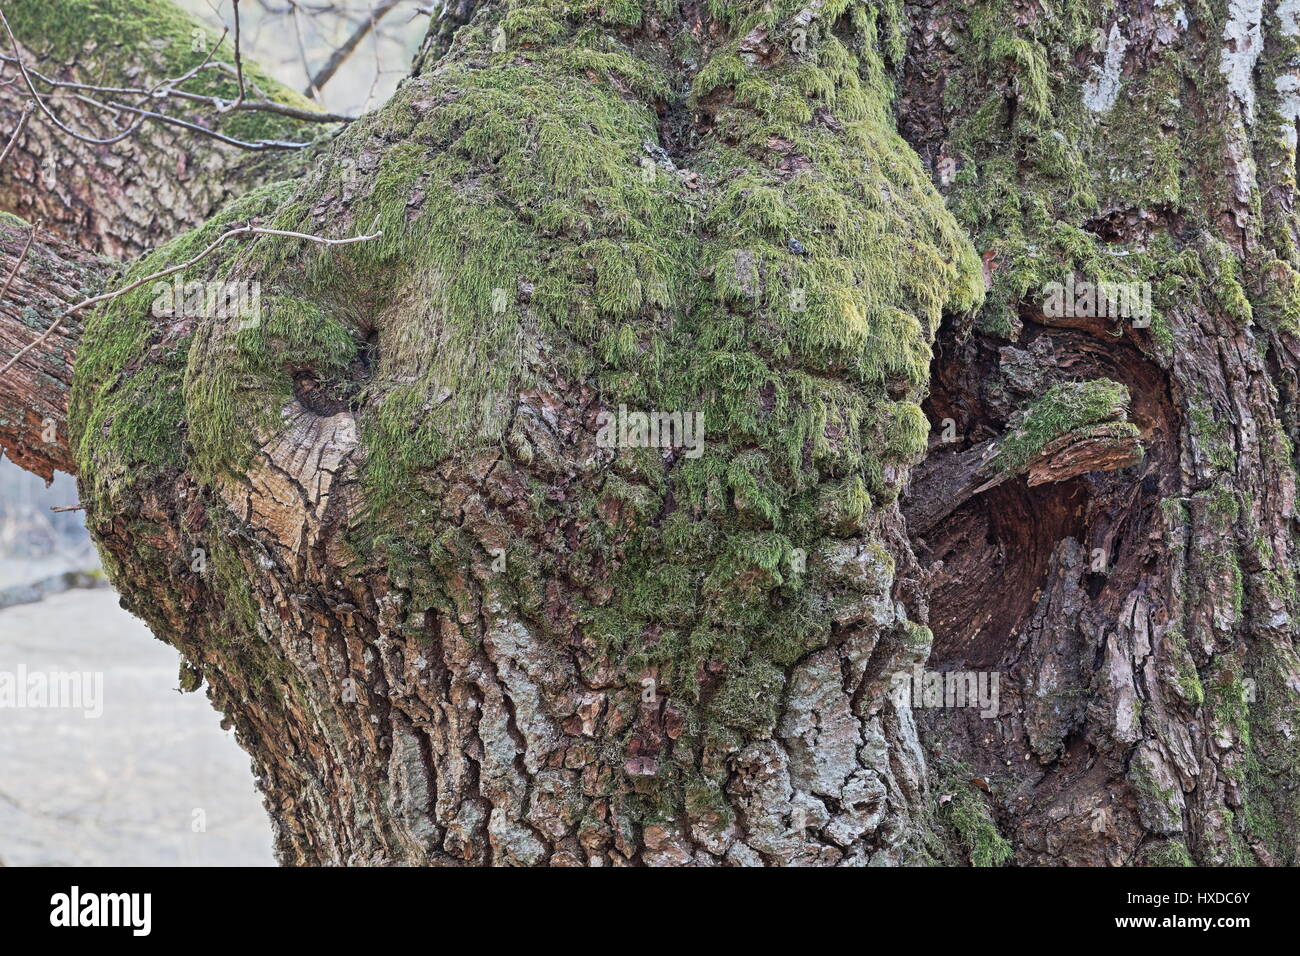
154, 781
299, 42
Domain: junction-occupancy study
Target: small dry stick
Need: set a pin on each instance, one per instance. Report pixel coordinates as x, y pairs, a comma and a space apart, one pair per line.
311, 90
239, 66
22, 257
248, 230
18, 131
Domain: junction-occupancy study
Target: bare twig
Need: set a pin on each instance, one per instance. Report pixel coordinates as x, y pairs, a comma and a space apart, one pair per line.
18, 131
255, 146
264, 106
239, 65
246, 230
374, 46
22, 257
302, 52
309, 7
340, 55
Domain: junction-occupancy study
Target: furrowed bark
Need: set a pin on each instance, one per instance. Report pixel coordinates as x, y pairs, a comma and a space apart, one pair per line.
1143, 620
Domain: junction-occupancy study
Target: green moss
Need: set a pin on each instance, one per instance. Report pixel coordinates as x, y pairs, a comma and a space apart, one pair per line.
231, 580
1188, 678
1066, 407
1166, 799
1272, 806
189, 678
1175, 511
751, 700
1213, 433
881, 262
964, 810
843, 506
1167, 853
919, 637
1229, 701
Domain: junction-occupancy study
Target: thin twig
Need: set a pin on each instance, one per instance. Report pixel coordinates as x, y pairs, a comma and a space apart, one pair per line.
252, 106
18, 131
22, 257
302, 52
239, 65
180, 267
379, 63
267, 106
256, 146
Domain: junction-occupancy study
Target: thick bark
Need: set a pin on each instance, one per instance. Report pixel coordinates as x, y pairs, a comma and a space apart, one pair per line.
1142, 620
452, 625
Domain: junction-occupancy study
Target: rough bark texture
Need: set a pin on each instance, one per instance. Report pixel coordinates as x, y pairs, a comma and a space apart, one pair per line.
1143, 619
452, 625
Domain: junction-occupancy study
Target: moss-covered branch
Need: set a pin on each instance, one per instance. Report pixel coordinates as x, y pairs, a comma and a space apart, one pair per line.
42, 276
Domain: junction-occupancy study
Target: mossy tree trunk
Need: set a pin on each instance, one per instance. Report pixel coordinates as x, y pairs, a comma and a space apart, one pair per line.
452, 624
1145, 616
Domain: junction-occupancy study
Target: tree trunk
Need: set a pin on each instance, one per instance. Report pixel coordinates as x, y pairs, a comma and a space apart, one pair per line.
1143, 618
49, 277
462, 605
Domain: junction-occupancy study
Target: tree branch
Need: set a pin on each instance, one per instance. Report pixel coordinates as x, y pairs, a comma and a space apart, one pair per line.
35, 381
161, 180
46, 276
340, 55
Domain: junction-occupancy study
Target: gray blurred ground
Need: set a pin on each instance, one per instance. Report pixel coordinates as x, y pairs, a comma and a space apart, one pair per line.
121, 789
